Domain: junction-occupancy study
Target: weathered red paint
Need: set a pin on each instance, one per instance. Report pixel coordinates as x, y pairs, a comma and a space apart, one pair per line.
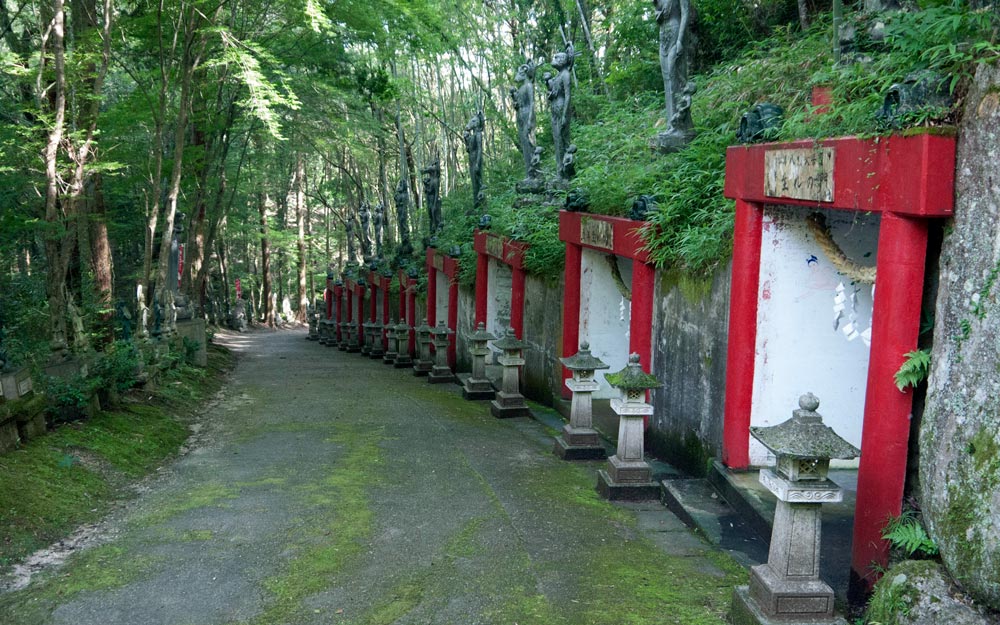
337, 295
908, 179
571, 307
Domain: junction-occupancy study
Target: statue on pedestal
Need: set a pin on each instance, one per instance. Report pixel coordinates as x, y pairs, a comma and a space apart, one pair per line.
364, 215
524, 105
379, 222
432, 196
349, 230
560, 105
676, 47
402, 199
474, 147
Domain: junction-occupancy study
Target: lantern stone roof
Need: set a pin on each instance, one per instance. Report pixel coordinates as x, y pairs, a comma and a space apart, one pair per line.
583, 360
423, 327
481, 334
441, 329
632, 377
509, 342
401, 326
804, 435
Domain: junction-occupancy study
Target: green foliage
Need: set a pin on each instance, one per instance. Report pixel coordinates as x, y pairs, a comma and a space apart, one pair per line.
914, 369
117, 366
906, 534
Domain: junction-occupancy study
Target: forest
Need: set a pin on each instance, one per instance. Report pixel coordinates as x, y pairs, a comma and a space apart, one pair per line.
272, 140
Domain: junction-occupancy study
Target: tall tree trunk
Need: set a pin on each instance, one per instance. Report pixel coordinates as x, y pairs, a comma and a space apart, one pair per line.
100, 260
265, 261
300, 217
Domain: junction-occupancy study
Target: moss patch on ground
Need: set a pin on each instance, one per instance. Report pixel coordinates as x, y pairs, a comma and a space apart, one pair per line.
72, 475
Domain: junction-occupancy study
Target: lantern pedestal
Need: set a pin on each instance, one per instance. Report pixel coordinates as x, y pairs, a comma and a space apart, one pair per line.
423, 364
628, 476
403, 358
377, 349
509, 402
391, 352
441, 373
345, 336
354, 340
580, 441
314, 332
477, 386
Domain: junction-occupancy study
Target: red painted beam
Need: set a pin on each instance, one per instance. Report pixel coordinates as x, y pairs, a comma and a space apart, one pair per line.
571, 306
902, 249
625, 234
912, 175
741, 348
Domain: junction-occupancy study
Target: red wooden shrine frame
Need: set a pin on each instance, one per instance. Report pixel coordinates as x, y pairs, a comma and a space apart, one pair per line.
611, 235
436, 261
377, 283
510, 253
907, 179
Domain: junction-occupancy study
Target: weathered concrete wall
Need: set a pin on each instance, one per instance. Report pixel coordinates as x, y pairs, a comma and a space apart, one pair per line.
960, 428
689, 357
605, 315
466, 326
543, 333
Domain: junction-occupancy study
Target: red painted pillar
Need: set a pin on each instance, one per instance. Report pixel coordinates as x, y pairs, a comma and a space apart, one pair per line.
411, 314
482, 286
328, 296
742, 334
373, 300
641, 324
385, 313
452, 319
902, 249
402, 299
350, 303
432, 289
517, 302
571, 308
361, 315
337, 295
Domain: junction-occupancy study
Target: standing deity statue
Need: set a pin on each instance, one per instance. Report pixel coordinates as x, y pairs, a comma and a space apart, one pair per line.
560, 106
524, 105
364, 214
474, 146
569, 161
349, 230
675, 18
379, 222
432, 196
402, 199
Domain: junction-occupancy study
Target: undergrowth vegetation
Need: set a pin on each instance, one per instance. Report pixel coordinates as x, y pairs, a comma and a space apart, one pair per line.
73, 474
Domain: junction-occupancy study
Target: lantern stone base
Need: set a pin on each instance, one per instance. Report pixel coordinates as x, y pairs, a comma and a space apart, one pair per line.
745, 611
611, 490
389, 358
422, 367
579, 444
376, 352
402, 360
440, 375
509, 405
475, 389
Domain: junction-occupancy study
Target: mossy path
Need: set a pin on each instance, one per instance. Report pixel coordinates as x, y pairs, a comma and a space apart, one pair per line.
335, 489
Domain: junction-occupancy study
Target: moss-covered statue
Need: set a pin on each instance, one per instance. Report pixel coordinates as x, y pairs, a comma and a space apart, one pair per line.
378, 220
524, 105
474, 147
560, 105
432, 196
677, 43
364, 215
402, 199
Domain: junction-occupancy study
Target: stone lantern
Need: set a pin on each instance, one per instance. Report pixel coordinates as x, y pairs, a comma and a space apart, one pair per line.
787, 588
403, 358
441, 372
477, 385
314, 330
392, 343
366, 333
510, 401
579, 440
628, 475
377, 349
424, 364
345, 336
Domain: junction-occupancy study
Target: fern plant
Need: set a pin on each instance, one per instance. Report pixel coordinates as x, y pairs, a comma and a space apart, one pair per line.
906, 534
914, 369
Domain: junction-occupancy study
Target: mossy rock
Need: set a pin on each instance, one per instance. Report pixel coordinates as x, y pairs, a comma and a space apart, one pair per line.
919, 592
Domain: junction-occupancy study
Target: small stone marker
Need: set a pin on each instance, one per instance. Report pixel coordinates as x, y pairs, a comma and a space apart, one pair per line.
441, 372
787, 588
510, 402
424, 364
629, 476
477, 385
392, 342
579, 439
403, 358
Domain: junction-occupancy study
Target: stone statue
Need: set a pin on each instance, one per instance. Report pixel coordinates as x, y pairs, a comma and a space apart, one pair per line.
349, 230
474, 147
535, 171
560, 106
524, 105
364, 215
676, 46
569, 162
143, 314
402, 198
379, 222
173, 266
432, 196
124, 320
